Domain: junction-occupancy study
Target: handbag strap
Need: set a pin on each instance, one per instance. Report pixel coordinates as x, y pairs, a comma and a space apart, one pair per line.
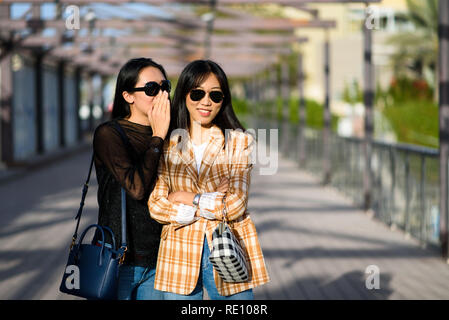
225, 211
123, 194
225, 221
123, 247
226, 147
83, 197
130, 148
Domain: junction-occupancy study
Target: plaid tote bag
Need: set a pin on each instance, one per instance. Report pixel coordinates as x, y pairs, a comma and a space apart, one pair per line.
227, 256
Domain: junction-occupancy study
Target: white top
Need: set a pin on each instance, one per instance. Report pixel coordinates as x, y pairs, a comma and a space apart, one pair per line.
199, 152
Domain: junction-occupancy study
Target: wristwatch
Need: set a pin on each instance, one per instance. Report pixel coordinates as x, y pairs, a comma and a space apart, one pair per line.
196, 199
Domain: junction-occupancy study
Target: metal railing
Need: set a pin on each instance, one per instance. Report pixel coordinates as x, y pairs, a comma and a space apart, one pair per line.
405, 178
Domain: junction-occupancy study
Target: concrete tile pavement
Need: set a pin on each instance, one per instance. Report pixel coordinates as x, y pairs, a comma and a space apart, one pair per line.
318, 245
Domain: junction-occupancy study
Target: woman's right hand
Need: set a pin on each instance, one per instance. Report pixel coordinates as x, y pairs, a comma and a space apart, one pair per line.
159, 114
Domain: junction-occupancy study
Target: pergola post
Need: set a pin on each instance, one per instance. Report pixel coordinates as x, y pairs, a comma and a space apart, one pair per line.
78, 77
209, 18
246, 90
249, 91
285, 114
252, 94
368, 97
285, 91
269, 92
39, 95
443, 65
255, 86
6, 90
90, 99
301, 112
276, 92
39, 89
61, 87
263, 87
104, 81
61, 103
326, 112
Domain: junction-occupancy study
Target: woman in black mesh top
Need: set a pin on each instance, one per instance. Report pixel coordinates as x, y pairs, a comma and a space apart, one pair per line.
142, 109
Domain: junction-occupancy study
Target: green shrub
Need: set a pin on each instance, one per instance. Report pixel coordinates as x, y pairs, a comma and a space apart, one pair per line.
409, 107
414, 121
404, 89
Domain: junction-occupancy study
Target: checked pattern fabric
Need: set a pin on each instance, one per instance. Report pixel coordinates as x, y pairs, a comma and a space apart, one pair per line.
180, 253
227, 256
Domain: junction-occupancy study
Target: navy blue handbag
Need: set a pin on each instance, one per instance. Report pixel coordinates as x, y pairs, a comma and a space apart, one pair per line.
92, 269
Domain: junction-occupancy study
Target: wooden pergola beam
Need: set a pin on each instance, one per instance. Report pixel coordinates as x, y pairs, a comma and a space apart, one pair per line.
223, 51
100, 24
232, 67
216, 40
271, 24
177, 49
236, 25
246, 55
67, 52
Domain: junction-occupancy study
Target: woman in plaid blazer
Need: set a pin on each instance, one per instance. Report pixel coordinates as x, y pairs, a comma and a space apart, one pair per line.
199, 170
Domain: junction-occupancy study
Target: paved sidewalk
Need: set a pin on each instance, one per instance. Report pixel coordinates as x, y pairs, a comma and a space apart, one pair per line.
37, 223
316, 244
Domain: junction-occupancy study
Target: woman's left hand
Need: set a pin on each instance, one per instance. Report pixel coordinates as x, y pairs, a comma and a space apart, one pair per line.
183, 197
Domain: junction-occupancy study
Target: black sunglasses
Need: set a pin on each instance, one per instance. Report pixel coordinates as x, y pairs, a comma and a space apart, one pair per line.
152, 88
198, 94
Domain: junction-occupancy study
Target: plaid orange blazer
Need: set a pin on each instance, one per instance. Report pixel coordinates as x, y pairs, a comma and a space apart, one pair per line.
179, 258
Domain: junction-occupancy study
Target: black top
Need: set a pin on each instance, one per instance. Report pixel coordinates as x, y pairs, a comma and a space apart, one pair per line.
135, 170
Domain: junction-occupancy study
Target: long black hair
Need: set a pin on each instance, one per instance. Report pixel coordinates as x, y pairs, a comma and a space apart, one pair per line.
126, 81
195, 73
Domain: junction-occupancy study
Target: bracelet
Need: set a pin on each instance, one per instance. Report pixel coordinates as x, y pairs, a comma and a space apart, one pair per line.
196, 199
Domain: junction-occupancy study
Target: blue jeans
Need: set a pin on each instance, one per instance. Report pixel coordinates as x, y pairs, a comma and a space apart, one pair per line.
206, 279
129, 287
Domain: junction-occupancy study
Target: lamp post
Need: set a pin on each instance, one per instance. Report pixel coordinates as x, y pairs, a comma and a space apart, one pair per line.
90, 17
209, 18
443, 65
301, 112
327, 114
368, 98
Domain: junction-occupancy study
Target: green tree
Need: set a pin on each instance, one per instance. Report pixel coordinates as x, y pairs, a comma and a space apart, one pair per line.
417, 50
